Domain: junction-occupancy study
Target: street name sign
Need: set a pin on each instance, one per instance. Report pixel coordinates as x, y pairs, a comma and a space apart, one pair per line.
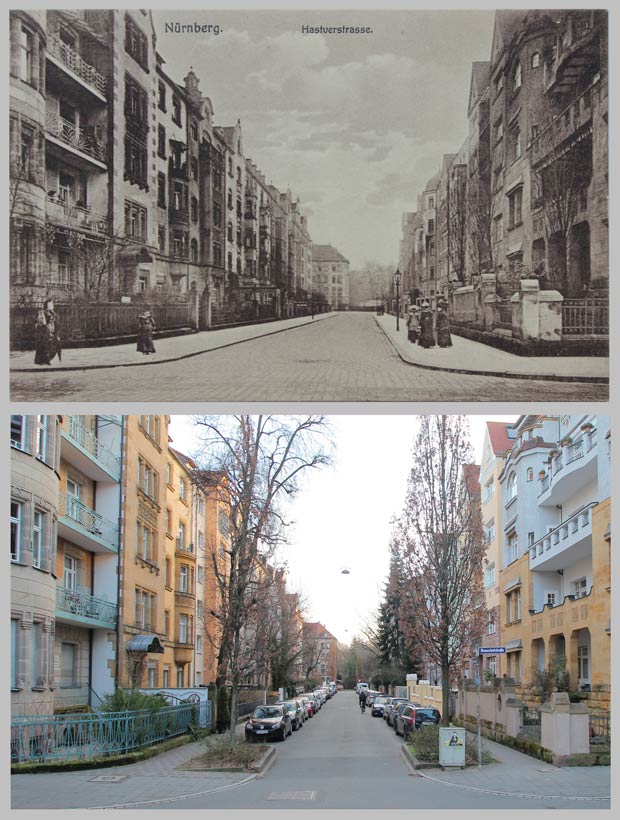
491, 650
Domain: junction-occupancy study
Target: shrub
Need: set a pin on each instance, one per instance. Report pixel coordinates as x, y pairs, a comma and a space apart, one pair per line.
130, 700
425, 743
235, 752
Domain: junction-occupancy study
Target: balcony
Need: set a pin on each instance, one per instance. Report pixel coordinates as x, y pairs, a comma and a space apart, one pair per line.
84, 526
81, 447
572, 122
183, 652
567, 543
184, 549
76, 217
576, 49
572, 468
68, 66
82, 143
83, 609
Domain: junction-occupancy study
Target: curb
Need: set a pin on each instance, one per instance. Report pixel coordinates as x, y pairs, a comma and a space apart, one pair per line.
258, 768
504, 374
70, 368
413, 763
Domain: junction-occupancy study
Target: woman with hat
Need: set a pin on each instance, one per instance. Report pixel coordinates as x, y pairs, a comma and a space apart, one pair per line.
146, 326
443, 326
427, 337
413, 323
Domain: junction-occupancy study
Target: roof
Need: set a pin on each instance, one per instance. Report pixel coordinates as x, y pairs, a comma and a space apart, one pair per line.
145, 643
498, 436
316, 630
186, 461
480, 70
431, 185
327, 253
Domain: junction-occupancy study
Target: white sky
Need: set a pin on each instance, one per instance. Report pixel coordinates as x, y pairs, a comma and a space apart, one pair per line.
342, 514
354, 125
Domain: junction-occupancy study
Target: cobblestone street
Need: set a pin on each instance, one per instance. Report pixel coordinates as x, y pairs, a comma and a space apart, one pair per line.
340, 358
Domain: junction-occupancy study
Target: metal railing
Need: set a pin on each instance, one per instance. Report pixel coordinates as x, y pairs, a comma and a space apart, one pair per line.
88, 441
51, 738
75, 216
585, 317
84, 138
530, 723
578, 449
84, 605
73, 61
90, 520
599, 728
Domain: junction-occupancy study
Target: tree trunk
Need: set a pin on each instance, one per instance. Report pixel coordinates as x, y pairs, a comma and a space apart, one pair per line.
445, 692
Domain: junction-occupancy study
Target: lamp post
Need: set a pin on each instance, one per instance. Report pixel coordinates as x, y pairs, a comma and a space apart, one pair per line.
397, 283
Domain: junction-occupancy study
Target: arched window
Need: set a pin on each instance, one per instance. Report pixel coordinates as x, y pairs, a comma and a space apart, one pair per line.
530, 473
230, 232
512, 486
535, 59
194, 250
230, 267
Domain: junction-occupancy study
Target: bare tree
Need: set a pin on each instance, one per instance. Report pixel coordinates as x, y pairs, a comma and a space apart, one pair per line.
263, 459
457, 221
442, 548
479, 232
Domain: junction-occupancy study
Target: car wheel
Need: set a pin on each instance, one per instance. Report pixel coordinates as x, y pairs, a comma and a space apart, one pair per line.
283, 738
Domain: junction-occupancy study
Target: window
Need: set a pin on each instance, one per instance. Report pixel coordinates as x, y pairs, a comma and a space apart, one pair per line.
579, 588
193, 168
431, 202
489, 530
512, 548
515, 144
514, 606
14, 653
516, 82
16, 530
161, 237
193, 209
161, 190
176, 110
18, 432
183, 633
535, 59
179, 677
491, 664
217, 216
146, 542
136, 162
498, 131
168, 573
193, 130
530, 473
169, 475
201, 575
583, 664
168, 521
150, 677
68, 664
71, 573
184, 578
161, 97
530, 538
26, 55
229, 232
488, 490
145, 609
136, 104
199, 644
166, 679
135, 221
181, 538
514, 208
489, 575
512, 487
38, 534
148, 480
167, 623
41, 438
161, 141
37, 681
430, 228
491, 625
136, 43
151, 426
550, 599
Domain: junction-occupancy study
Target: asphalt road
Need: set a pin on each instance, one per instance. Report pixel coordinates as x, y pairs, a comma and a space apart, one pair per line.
340, 759
344, 358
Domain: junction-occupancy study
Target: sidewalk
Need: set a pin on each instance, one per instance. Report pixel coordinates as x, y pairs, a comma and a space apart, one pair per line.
515, 773
467, 356
171, 349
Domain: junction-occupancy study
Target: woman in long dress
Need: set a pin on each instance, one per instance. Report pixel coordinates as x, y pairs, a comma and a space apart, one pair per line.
42, 346
146, 326
427, 337
443, 328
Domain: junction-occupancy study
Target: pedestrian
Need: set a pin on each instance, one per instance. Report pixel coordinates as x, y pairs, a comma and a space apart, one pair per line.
413, 324
51, 318
443, 328
427, 337
363, 696
41, 340
146, 326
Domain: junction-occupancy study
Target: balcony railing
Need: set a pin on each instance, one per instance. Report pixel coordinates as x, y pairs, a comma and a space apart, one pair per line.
183, 546
566, 123
88, 441
75, 63
83, 139
88, 519
573, 452
76, 216
85, 606
579, 524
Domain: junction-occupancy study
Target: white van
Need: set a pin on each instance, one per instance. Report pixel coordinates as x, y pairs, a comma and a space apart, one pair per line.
359, 686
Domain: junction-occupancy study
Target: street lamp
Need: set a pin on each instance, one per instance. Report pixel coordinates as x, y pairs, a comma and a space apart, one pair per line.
397, 283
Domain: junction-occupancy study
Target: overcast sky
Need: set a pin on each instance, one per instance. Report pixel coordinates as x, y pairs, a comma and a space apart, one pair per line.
342, 515
354, 125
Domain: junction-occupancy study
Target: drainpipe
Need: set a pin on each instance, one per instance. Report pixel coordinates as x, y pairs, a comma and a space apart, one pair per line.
121, 532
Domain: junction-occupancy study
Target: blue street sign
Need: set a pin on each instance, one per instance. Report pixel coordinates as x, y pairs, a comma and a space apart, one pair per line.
491, 650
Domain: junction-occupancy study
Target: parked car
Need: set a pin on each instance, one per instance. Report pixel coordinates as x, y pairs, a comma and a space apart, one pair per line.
315, 699
308, 705
378, 705
426, 716
412, 717
296, 712
359, 686
268, 722
371, 694
395, 703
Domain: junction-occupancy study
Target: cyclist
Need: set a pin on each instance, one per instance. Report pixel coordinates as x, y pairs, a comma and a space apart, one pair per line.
363, 696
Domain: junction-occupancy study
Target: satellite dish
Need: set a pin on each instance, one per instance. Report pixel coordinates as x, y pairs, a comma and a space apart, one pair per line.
345, 571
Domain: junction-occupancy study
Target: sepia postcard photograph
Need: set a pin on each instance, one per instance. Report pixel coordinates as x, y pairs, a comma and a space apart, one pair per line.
234, 206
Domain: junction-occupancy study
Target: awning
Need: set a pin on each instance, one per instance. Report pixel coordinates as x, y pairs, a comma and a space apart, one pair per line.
513, 646
516, 249
145, 643
516, 582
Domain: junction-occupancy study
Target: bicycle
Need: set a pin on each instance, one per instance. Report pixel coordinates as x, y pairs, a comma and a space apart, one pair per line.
363, 706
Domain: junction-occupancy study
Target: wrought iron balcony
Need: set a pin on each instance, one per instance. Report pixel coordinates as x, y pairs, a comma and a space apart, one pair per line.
79, 138
70, 215
90, 445
82, 606
75, 63
86, 526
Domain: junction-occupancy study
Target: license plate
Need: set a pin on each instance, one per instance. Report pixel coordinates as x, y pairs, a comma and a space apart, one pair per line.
428, 723
262, 731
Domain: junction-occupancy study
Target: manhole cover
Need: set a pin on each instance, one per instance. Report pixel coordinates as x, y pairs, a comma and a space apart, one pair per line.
108, 778
310, 795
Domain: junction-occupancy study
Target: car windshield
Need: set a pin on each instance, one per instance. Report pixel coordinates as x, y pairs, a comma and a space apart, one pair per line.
268, 712
380, 699
290, 706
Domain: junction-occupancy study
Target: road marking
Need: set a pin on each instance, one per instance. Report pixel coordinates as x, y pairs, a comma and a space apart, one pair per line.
512, 794
305, 795
108, 778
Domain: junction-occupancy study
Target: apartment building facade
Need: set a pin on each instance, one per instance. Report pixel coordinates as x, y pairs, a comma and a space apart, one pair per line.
330, 276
